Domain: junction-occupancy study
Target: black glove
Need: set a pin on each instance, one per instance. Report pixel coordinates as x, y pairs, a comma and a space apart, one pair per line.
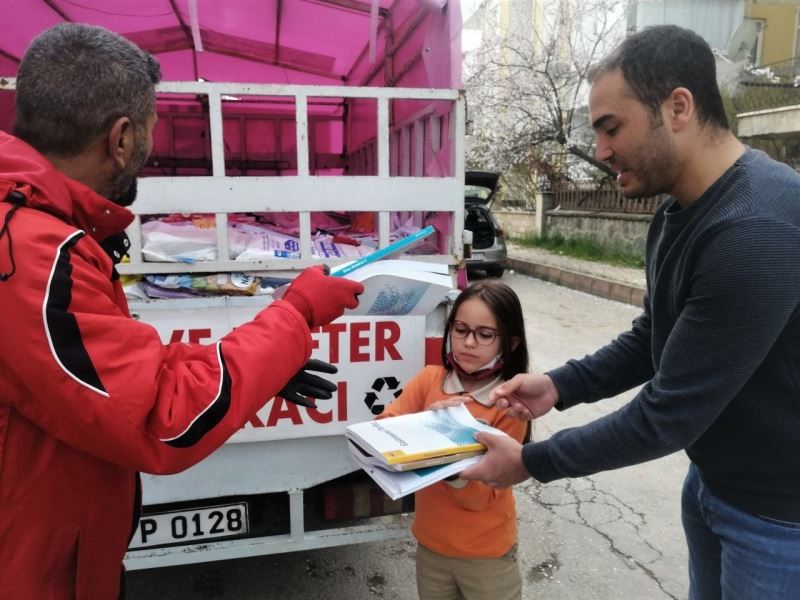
304, 387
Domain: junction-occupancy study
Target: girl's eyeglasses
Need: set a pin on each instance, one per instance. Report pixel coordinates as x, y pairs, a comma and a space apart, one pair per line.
485, 336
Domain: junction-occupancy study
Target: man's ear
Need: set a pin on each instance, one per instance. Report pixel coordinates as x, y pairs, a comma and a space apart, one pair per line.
120, 141
680, 108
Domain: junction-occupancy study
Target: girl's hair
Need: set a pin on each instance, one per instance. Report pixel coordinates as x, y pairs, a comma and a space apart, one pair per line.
507, 310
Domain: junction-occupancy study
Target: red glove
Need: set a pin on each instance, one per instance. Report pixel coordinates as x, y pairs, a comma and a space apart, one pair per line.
321, 298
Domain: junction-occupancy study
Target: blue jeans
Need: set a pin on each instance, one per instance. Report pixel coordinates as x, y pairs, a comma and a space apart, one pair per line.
734, 555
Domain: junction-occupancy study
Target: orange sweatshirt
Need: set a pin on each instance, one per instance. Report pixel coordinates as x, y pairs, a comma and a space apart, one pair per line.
474, 521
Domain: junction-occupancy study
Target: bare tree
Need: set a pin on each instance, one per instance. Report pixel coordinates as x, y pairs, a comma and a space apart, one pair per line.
526, 88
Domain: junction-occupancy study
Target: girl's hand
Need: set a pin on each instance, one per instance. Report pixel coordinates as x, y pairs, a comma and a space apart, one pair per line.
452, 401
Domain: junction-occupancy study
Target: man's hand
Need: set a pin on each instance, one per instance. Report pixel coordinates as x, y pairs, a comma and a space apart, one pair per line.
304, 387
321, 298
501, 466
527, 396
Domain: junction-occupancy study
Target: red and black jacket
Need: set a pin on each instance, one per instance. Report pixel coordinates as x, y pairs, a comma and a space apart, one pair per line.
89, 396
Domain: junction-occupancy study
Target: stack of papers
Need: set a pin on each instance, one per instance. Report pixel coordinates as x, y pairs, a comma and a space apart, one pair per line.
406, 453
397, 484
397, 287
401, 287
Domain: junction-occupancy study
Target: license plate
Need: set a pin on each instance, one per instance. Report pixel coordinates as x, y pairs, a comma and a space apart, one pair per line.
190, 525
477, 256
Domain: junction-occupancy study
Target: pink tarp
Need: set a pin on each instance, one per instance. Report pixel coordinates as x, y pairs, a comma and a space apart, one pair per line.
410, 43
403, 43
263, 41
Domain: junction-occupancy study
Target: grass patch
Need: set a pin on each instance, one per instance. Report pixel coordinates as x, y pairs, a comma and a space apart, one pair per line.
586, 249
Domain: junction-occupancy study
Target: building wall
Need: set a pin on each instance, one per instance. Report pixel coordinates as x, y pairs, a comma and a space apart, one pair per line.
779, 19
614, 230
713, 20
516, 224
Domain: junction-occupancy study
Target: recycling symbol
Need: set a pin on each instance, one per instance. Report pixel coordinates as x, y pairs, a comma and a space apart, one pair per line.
382, 387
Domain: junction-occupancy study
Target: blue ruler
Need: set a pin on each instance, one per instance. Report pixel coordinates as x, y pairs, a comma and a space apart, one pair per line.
394, 248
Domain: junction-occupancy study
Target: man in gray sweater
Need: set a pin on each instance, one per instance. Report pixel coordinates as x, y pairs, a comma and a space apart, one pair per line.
717, 347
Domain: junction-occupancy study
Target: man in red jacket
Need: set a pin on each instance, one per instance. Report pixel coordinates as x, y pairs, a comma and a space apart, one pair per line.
89, 396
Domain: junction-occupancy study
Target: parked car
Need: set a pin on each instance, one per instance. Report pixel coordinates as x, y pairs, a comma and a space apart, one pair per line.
489, 252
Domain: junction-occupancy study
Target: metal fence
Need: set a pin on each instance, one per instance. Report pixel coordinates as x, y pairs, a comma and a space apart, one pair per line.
588, 195
768, 86
759, 95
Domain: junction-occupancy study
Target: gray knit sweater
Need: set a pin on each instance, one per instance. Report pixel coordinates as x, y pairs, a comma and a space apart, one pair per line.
717, 349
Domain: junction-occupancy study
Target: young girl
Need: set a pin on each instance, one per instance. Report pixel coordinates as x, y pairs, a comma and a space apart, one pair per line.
467, 531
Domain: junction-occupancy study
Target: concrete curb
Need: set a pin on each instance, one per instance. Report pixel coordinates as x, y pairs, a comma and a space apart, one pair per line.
591, 284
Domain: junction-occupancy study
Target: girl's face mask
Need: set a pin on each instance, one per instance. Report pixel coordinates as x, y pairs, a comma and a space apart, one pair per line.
490, 369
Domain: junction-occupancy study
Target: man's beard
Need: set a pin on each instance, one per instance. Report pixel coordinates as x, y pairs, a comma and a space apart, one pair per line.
127, 197
123, 188
653, 165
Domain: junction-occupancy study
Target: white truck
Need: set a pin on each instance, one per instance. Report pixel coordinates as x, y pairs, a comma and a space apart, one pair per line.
386, 140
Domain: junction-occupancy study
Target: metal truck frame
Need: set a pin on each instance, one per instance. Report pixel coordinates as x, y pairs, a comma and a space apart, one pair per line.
286, 462
286, 476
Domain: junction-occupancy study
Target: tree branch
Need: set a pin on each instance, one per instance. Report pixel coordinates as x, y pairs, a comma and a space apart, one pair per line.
591, 160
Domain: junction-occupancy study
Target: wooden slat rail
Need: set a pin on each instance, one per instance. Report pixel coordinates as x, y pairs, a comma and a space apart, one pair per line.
588, 195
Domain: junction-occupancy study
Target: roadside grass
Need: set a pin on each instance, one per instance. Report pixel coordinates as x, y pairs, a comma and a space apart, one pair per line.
584, 248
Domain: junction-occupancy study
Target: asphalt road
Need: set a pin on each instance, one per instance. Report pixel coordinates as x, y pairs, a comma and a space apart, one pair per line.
611, 536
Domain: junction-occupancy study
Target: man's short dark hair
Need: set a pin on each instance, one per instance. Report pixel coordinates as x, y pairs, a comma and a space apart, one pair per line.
74, 81
656, 60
